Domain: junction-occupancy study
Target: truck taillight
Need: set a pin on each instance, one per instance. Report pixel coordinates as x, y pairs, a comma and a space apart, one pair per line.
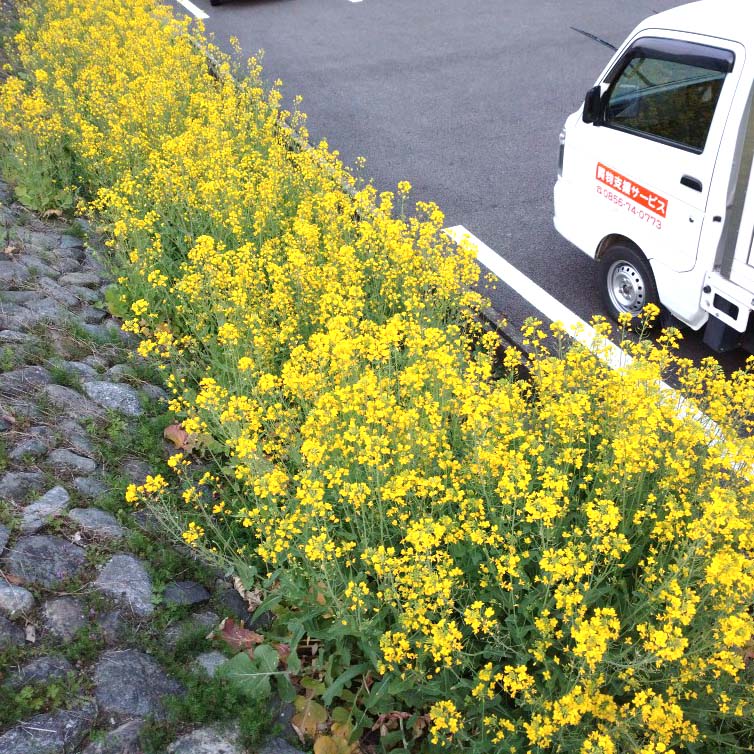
561, 153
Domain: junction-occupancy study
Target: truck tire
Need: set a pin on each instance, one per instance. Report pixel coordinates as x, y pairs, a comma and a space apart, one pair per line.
626, 281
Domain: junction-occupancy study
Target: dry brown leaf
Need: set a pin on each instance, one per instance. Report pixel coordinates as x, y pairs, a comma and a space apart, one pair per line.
11, 249
284, 652
252, 598
390, 720
309, 716
236, 636
176, 434
421, 725
13, 580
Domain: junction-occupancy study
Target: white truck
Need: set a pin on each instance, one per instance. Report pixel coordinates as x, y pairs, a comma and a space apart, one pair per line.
655, 175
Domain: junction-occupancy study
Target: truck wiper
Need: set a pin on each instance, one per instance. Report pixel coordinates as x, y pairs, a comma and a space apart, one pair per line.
595, 38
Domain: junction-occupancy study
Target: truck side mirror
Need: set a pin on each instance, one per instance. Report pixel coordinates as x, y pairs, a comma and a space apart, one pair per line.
592, 112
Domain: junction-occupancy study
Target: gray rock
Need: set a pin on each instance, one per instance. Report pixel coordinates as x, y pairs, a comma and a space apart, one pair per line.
85, 279
41, 239
130, 684
76, 439
71, 242
47, 309
81, 369
99, 362
4, 535
117, 397
92, 314
212, 740
278, 746
209, 662
27, 410
118, 372
36, 266
58, 292
45, 560
12, 337
122, 740
86, 295
89, 487
17, 297
64, 617
125, 579
15, 600
234, 604
112, 626
24, 382
34, 313
10, 635
41, 670
206, 622
13, 273
135, 470
50, 733
31, 448
72, 402
65, 264
154, 392
97, 522
65, 460
51, 504
17, 486
185, 593
98, 333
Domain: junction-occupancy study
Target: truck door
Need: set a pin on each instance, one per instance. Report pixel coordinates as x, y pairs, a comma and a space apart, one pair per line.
652, 151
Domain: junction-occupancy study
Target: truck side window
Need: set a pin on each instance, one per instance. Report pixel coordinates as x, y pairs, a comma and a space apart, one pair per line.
667, 90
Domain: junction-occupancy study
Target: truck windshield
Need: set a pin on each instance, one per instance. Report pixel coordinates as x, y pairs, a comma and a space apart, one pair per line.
667, 90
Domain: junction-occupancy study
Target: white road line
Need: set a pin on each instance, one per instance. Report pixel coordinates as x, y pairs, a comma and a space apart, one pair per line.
550, 307
577, 328
193, 9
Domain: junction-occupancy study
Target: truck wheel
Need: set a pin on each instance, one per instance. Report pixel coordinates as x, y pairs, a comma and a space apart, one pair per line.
626, 281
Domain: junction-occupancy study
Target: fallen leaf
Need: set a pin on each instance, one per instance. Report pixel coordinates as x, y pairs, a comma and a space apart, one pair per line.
236, 636
13, 580
31, 633
421, 725
284, 652
252, 598
309, 716
389, 720
176, 434
11, 249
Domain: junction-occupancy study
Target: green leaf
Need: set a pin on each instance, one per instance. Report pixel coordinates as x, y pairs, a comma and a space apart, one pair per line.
248, 575
286, 690
342, 681
242, 671
379, 691
266, 658
115, 303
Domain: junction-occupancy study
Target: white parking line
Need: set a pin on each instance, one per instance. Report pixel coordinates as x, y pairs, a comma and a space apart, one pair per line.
577, 328
550, 307
193, 10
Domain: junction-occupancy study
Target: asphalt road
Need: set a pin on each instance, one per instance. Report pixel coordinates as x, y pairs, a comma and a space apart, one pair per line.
463, 98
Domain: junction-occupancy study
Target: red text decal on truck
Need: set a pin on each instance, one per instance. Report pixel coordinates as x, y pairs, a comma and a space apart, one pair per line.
632, 190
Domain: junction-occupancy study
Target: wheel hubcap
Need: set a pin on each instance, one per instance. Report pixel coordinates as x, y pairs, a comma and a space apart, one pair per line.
626, 288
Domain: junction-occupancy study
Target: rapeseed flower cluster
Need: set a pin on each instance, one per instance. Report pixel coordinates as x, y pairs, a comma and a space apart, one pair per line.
557, 564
